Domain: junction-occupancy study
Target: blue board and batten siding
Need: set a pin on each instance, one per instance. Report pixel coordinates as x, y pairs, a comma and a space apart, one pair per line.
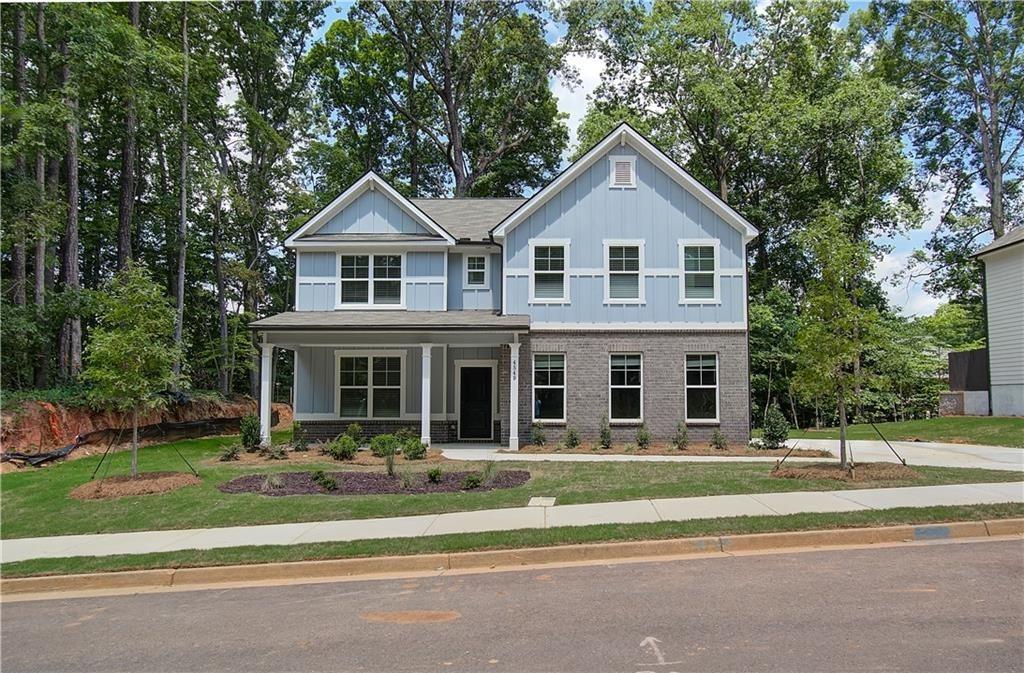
373, 212
317, 273
424, 286
659, 211
459, 298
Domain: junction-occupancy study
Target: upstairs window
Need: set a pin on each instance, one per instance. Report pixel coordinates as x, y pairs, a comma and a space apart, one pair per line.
624, 272
700, 272
626, 379
623, 173
548, 270
371, 284
476, 272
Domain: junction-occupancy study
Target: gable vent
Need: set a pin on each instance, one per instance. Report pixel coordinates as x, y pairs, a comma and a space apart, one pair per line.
623, 172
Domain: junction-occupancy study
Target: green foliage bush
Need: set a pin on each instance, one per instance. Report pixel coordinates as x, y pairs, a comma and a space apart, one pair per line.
414, 449
682, 438
776, 429
434, 475
342, 448
384, 445
323, 480
230, 452
718, 440
299, 440
537, 436
643, 436
472, 481
605, 433
572, 438
249, 426
404, 434
355, 431
274, 452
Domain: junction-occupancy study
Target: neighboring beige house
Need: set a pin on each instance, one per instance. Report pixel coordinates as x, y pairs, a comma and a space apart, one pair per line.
1004, 307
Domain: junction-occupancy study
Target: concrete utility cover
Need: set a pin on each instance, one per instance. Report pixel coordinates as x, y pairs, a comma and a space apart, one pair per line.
542, 502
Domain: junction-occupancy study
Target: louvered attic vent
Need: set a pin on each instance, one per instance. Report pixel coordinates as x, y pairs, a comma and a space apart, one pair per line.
623, 172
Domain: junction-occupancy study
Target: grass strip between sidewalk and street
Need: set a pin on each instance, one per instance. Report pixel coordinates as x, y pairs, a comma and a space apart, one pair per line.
512, 539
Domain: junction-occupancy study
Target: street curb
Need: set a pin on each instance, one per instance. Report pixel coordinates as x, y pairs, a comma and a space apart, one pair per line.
508, 558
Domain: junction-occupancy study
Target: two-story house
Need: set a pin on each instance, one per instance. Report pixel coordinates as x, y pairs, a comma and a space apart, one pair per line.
618, 291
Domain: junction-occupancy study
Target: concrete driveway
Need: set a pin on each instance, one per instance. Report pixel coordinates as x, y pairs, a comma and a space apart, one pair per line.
915, 453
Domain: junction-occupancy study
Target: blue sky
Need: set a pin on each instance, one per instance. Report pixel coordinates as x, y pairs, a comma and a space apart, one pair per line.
908, 297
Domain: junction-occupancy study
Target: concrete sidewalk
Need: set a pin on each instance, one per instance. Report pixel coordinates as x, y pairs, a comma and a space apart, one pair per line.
915, 453
513, 518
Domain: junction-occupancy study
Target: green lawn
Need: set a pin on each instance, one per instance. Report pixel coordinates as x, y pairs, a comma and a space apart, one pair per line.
987, 431
36, 503
511, 539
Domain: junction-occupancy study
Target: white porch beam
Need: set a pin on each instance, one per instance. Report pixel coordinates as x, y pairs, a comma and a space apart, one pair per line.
513, 397
266, 379
425, 395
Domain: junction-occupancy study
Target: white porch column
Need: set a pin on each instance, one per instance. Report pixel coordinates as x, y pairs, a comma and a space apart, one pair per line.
266, 379
513, 397
425, 396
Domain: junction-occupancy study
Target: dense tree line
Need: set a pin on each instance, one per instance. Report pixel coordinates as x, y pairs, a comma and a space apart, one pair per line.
190, 137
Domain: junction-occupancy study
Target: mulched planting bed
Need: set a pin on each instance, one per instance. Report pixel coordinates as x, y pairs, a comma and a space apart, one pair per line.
145, 484
366, 483
860, 472
666, 449
364, 457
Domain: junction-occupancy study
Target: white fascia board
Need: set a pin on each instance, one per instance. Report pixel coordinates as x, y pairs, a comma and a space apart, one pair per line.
369, 181
625, 134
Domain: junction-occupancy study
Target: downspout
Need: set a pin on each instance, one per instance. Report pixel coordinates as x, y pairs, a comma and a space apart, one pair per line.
501, 286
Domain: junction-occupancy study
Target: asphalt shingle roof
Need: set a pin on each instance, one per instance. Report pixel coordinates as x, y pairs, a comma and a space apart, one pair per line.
468, 218
391, 320
1013, 236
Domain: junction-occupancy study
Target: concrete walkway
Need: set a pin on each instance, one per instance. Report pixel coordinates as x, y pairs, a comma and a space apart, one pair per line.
513, 518
915, 453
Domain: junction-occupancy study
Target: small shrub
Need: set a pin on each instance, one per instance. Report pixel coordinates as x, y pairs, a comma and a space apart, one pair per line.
776, 429
383, 445
230, 452
323, 480
408, 479
389, 464
434, 475
249, 426
606, 433
718, 441
342, 448
271, 482
537, 437
682, 438
355, 431
643, 436
472, 481
299, 440
404, 434
414, 449
274, 452
572, 438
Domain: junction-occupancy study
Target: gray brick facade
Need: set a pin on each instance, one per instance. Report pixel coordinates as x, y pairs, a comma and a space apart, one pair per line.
587, 355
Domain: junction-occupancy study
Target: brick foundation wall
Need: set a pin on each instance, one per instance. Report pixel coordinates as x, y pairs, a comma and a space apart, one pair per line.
323, 431
664, 354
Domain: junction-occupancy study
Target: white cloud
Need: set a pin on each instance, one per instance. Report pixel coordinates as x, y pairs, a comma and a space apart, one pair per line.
572, 97
905, 294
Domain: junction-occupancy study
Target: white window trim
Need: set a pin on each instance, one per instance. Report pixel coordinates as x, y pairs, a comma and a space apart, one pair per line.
638, 243
465, 271
369, 354
686, 395
543, 243
369, 304
564, 387
688, 242
626, 421
612, 160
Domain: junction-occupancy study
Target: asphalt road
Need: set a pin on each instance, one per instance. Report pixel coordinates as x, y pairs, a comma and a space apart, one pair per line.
941, 607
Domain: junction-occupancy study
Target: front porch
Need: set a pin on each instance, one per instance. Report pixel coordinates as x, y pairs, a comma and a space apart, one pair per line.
450, 376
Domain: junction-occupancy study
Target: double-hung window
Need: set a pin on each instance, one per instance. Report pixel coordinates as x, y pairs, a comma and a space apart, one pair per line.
700, 271
365, 283
624, 266
370, 386
625, 387
702, 388
549, 387
548, 264
476, 272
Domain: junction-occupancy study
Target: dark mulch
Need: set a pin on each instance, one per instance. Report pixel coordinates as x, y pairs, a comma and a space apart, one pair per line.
366, 483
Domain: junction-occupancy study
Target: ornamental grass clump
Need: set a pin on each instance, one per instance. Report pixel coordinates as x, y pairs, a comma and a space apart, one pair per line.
249, 426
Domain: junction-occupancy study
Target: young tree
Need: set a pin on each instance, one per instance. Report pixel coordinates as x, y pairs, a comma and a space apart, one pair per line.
836, 325
132, 349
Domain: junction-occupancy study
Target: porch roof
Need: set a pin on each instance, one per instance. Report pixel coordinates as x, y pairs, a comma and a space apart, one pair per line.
359, 320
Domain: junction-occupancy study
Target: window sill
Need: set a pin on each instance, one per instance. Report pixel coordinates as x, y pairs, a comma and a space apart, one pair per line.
714, 421
624, 302
625, 422
548, 421
706, 302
